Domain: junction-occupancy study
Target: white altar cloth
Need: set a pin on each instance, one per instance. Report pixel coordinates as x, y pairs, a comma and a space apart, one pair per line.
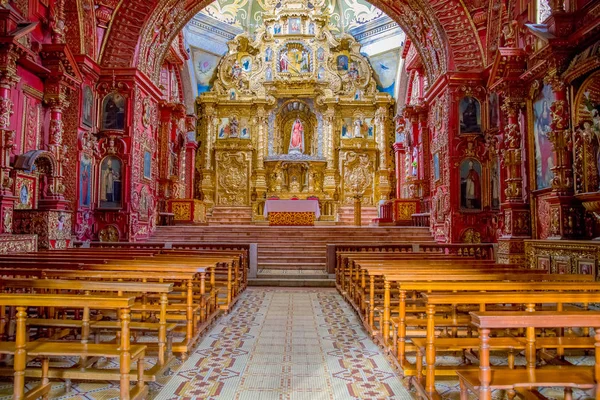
292, 206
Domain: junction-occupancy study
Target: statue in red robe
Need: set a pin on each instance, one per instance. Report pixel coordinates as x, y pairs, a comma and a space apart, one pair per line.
297, 137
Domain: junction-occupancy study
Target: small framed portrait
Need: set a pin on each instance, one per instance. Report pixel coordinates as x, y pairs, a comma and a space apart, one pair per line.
87, 112
436, 167
147, 165
562, 265
586, 266
543, 263
113, 112
470, 115
294, 25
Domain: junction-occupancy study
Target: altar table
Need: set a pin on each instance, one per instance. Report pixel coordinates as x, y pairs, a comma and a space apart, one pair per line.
292, 212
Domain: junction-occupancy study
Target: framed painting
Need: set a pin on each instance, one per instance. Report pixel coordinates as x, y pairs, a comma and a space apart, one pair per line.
469, 111
113, 112
342, 63
87, 109
346, 128
494, 111
111, 182
294, 26
562, 265
495, 182
544, 156
470, 185
436, 167
25, 190
586, 266
85, 181
543, 263
147, 164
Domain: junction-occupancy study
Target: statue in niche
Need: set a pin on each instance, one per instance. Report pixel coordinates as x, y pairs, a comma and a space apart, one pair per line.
283, 62
358, 126
297, 138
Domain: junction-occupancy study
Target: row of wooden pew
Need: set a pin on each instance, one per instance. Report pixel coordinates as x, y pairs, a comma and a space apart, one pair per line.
425, 305
88, 305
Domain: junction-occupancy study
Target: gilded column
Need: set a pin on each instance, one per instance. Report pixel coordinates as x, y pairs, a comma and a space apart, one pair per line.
517, 214
382, 126
190, 157
260, 121
565, 216
8, 80
208, 173
330, 183
55, 96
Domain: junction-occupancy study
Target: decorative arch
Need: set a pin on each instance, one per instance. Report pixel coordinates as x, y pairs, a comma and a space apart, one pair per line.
442, 31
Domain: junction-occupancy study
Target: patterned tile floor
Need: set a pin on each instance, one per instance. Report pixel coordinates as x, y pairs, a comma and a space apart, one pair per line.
287, 344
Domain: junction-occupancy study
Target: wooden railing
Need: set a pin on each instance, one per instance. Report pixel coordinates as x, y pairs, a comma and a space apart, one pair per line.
477, 250
421, 219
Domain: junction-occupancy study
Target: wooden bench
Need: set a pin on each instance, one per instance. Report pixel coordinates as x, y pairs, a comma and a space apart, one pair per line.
20, 349
162, 329
528, 299
487, 378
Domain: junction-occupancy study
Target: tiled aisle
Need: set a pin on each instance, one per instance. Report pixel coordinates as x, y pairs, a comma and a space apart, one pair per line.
286, 344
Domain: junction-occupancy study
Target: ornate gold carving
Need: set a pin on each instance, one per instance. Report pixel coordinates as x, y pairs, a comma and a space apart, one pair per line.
233, 179
109, 234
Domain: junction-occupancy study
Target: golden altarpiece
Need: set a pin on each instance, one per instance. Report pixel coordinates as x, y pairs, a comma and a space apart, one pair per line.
295, 113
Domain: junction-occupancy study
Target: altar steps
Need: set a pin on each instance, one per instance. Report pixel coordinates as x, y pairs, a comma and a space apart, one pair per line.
230, 216
346, 215
298, 251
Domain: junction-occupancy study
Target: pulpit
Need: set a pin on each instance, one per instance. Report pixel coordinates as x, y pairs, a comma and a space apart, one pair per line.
292, 212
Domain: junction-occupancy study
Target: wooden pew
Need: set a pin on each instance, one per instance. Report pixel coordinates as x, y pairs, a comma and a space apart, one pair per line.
189, 312
488, 378
162, 329
21, 349
528, 299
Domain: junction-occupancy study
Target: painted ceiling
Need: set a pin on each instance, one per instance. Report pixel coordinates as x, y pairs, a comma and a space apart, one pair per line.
247, 14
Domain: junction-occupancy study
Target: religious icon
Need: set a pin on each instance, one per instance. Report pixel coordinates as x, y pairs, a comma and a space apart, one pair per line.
544, 156
234, 128
60, 223
277, 29
358, 128
147, 112
495, 178
470, 184
85, 181
321, 73
147, 164
283, 61
268, 54
586, 266
236, 70
269, 74
246, 64
232, 95
297, 138
591, 128
320, 54
245, 133
436, 166
342, 63
294, 25
470, 115
353, 71
113, 112
88, 106
358, 95
347, 122
110, 183
311, 28
494, 111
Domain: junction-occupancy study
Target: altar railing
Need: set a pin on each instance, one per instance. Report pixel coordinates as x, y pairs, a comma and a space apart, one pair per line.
483, 251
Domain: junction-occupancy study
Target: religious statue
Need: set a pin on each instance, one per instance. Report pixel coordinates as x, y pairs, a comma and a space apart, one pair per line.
234, 128
471, 186
110, 195
236, 70
283, 62
297, 138
470, 115
358, 128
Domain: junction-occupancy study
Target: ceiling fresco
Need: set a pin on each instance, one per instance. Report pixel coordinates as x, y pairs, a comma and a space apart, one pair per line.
247, 15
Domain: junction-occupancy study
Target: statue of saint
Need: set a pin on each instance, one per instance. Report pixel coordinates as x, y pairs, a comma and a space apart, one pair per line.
297, 138
358, 125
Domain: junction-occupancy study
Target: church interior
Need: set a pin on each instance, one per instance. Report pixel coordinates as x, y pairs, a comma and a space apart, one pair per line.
299, 199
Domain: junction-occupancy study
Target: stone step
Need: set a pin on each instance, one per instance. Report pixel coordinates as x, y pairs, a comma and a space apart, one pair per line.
296, 265
292, 282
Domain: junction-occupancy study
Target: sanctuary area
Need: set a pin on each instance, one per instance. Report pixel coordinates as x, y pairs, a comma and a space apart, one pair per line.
299, 199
